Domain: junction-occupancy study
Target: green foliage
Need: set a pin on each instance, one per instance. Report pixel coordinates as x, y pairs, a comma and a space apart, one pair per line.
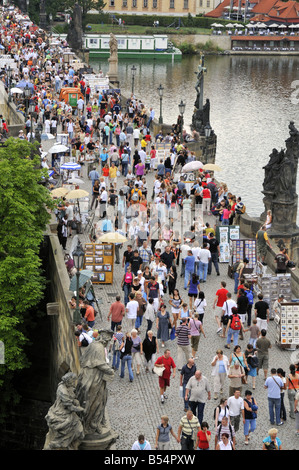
24, 215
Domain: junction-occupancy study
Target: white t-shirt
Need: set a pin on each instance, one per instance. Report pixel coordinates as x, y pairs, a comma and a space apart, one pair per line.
204, 255
228, 305
235, 405
200, 305
132, 307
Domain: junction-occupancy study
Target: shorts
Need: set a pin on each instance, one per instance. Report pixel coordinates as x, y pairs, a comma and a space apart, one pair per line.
192, 295
263, 361
195, 342
164, 382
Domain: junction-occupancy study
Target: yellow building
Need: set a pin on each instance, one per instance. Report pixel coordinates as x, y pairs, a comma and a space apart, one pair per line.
152, 7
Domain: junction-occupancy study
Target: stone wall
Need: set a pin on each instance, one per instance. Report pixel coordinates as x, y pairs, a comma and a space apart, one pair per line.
9, 112
221, 41
63, 348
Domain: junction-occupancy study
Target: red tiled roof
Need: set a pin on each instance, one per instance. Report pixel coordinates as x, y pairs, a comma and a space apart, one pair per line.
271, 9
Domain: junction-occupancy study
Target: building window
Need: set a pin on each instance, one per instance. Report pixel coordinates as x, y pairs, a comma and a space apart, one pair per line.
112, 3
155, 3
171, 4
186, 4
208, 3
134, 4
145, 3
125, 3
200, 3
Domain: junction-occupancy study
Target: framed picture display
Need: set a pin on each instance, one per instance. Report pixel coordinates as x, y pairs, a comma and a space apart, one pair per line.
107, 253
89, 266
108, 247
99, 267
95, 277
102, 277
98, 260
89, 259
107, 267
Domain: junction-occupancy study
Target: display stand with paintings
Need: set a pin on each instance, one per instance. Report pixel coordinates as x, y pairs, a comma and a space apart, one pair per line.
225, 233
240, 249
287, 323
99, 258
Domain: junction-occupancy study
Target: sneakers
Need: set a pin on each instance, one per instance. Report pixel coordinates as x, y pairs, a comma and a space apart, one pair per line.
219, 329
280, 424
162, 400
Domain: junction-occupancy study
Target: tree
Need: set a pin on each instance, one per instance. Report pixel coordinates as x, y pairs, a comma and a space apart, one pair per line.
24, 215
86, 5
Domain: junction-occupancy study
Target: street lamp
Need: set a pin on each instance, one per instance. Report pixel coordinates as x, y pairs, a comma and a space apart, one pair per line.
9, 74
78, 258
160, 90
27, 94
31, 110
133, 70
182, 107
208, 130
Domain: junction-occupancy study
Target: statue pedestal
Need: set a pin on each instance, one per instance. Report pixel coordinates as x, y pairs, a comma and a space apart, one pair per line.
113, 71
102, 441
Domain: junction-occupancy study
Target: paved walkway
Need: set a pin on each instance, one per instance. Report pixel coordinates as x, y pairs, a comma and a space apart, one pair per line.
135, 407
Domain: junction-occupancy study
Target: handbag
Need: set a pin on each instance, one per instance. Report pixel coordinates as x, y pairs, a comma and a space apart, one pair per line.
159, 370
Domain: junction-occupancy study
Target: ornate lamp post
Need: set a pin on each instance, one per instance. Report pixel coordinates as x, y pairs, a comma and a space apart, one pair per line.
182, 107
133, 70
9, 74
160, 90
27, 94
31, 110
78, 257
208, 130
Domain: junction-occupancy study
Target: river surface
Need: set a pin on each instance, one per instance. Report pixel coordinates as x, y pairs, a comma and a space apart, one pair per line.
252, 102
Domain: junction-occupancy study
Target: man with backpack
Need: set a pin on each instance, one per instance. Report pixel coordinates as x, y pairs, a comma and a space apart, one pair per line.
234, 326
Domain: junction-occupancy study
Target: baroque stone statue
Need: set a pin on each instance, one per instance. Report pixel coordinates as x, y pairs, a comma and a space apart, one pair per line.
92, 384
63, 418
75, 34
113, 46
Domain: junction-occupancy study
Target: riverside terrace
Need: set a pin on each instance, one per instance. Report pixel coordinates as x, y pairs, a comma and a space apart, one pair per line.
282, 43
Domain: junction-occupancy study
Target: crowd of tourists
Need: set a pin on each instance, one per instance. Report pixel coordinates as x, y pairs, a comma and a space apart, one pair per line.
170, 226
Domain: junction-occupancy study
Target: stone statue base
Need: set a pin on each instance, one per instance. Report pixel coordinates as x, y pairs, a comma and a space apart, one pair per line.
113, 71
102, 441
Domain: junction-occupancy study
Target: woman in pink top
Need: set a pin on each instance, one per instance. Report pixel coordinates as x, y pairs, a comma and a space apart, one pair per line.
140, 167
196, 329
226, 215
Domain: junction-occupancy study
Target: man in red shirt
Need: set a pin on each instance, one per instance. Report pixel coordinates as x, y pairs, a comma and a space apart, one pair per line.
221, 296
164, 381
206, 200
116, 312
89, 314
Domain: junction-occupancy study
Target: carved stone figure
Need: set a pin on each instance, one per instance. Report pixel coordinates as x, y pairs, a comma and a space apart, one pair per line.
113, 46
91, 388
75, 33
113, 61
63, 418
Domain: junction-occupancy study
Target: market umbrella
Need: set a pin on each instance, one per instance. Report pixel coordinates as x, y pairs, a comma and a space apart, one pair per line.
59, 148
75, 181
192, 166
84, 277
59, 192
212, 167
47, 136
77, 194
70, 166
112, 237
16, 90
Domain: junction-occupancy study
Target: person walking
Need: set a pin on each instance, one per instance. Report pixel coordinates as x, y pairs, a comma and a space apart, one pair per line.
150, 349
200, 390
189, 267
263, 345
187, 431
225, 428
220, 366
203, 437
164, 430
168, 363
221, 296
188, 371
233, 328
126, 356
262, 312
183, 336
204, 257
250, 415
141, 444
292, 385
196, 329
274, 385
235, 405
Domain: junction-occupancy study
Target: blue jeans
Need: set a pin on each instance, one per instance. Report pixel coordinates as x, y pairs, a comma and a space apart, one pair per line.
232, 333
116, 359
188, 275
124, 168
197, 409
274, 404
186, 403
236, 278
249, 426
126, 360
114, 325
213, 260
203, 271
127, 290
138, 322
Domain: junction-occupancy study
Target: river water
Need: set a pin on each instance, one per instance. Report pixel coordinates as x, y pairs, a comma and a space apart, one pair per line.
252, 102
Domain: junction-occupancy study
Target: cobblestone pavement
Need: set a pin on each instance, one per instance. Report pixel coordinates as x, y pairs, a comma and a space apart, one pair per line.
135, 407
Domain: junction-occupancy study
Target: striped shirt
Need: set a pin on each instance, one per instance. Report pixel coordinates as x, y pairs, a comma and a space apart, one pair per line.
182, 333
188, 425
